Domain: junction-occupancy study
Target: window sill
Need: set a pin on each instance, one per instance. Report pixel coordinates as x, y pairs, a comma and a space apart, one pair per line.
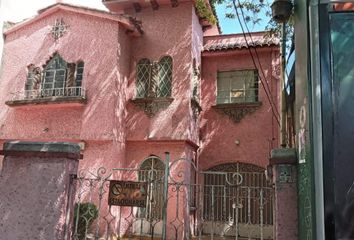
237, 111
152, 105
70, 101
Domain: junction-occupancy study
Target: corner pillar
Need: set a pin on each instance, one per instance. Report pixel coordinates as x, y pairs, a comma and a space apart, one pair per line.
36, 190
283, 165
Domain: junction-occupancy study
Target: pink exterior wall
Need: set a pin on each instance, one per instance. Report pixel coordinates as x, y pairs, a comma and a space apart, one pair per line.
256, 132
35, 186
109, 122
175, 32
101, 119
212, 31
167, 33
116, 132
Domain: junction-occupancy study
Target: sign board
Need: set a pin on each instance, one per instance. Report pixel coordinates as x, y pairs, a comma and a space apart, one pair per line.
127, 193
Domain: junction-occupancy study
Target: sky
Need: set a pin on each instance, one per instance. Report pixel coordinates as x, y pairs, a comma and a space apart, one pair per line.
17, 10
233, 26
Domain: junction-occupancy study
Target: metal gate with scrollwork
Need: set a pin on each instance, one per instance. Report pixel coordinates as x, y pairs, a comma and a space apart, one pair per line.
226, 202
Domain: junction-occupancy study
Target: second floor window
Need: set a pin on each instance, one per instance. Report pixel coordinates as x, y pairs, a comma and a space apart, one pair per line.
54, 73
240, 86
58, 78
154, 79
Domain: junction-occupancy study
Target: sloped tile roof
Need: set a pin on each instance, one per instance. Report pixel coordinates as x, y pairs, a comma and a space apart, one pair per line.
237, 41
128, 22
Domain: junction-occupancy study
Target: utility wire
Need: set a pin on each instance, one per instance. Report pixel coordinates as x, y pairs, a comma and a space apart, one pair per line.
255, 49
275, 113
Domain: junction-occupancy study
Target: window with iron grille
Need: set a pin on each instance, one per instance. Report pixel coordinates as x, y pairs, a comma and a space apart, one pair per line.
165, 77
54, 73
253, 198
58, 78
240, 86
143, 72
154, 79
152, 171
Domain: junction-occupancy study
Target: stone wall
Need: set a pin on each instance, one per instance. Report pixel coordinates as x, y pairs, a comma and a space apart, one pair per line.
285, 189
35, 189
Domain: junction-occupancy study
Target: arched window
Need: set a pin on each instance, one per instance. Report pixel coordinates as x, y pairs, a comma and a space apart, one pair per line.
58, 78
143, 73
54, 73
222, 196
165, 77
154, 79
152, 171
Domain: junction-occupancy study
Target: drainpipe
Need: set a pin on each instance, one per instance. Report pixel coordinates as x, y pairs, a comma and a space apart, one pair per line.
283, 135
281, 11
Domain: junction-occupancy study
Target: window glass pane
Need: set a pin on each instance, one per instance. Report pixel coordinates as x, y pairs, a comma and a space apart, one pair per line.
79, 74
165, 77
81, 65
152, 170
243, 86
49, 73
223, 87
223, 84
249, 86
30, 81
143, 71
48, 86
54, 73
48, 79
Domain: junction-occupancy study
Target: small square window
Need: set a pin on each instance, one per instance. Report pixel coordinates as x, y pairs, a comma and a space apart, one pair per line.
240, 86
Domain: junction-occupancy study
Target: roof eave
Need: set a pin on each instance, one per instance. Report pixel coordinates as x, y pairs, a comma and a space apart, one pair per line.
125, 22
232, 51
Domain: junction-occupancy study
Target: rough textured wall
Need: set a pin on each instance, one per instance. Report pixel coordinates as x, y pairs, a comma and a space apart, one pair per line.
212, 31
99, 122
35, 194
88, 38
167, 31
195, 84
256, 132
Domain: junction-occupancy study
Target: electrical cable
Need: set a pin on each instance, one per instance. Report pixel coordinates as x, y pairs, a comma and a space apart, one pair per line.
255, 49
275, 113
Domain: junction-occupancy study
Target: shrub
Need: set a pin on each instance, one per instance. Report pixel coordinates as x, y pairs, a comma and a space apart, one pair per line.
87, 214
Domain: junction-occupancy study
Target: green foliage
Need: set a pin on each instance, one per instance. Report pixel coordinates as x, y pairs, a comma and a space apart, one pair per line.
205, 12
84, 215
250, 11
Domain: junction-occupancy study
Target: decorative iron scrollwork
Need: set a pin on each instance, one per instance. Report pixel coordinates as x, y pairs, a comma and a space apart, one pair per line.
237, 111
152, 105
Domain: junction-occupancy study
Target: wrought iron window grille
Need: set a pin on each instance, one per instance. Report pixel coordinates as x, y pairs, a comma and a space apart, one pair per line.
154, 78
153, 85
57, 81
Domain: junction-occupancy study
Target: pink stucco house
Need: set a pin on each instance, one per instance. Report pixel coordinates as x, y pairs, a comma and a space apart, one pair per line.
140, 80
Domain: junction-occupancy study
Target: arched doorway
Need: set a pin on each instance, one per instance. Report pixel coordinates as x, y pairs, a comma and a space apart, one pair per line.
238, 200
152, 171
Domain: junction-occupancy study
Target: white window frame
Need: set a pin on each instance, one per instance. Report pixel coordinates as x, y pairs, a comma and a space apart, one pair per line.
248, 94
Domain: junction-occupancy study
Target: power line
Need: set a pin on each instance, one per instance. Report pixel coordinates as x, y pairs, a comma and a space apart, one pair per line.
255, 49
275, 114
